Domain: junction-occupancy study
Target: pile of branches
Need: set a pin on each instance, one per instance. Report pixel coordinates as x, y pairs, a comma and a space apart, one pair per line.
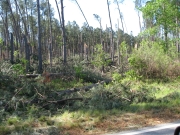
20, 93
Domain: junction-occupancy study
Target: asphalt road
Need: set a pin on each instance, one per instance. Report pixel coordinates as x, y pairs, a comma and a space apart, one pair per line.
163, 129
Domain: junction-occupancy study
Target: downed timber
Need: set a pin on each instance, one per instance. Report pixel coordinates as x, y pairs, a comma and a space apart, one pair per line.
59, 74
64, 92
85, 88
60, 101
29, 76
49, 74
63, 100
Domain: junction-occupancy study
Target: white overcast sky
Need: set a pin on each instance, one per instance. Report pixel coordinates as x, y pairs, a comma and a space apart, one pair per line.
90, 7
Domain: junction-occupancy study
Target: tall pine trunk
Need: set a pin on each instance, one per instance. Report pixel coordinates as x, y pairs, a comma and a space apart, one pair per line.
64, 37
50, 32
40, 69
112, 43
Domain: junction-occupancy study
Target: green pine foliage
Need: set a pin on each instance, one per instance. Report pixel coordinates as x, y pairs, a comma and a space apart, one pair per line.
100, 57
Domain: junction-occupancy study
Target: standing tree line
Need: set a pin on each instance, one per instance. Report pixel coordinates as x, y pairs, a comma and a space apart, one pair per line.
30, 32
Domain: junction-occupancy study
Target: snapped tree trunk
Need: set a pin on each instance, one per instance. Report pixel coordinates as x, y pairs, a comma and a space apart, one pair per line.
82, 12
120, 15
58, 13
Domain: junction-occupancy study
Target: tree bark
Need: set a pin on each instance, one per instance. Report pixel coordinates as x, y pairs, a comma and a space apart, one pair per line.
82, 12
27, 53
64, 36
40, 69
120, 16
12, 49
50, 32
112, 44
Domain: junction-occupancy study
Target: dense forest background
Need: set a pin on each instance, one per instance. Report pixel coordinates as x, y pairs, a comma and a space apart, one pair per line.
27, 35
20, 18
19, 31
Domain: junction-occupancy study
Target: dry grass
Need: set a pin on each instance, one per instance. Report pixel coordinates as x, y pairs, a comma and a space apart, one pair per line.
126, 121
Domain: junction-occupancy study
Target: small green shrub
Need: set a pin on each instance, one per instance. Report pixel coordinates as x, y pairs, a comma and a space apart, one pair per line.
42, 119
79, 72
100, 56
19, 67
117, 77
46, 120
12, 121
131, 74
